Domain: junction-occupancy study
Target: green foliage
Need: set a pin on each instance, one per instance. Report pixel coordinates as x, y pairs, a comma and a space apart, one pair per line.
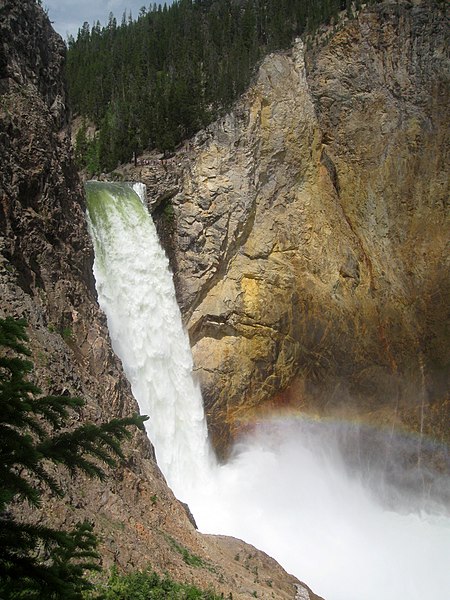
37, 561
190, 559
153, 82
168, 211
146, 585
87, 151
41, 563
67, 334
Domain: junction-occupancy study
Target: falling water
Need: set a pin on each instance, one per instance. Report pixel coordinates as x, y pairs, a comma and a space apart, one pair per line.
136, 292
313, 495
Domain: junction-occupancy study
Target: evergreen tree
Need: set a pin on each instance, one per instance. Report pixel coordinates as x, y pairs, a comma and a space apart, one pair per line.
35, 561
153, 82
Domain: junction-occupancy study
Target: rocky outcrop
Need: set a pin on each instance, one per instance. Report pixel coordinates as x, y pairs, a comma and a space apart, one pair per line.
310, 229
45, 276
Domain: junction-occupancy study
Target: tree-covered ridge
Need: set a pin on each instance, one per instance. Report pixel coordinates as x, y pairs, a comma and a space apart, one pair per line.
153, 82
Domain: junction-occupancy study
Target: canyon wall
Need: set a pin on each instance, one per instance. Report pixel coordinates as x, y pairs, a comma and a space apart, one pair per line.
309, 230
46, 276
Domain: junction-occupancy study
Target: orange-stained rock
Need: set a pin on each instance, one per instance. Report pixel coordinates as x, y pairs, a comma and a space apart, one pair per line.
309, 242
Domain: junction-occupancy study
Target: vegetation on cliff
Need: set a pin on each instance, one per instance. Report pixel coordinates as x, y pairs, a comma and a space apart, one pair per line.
38, 561
147, 585
153, 82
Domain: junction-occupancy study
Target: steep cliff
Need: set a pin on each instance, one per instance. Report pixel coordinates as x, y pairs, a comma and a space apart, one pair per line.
310, 230
45, 276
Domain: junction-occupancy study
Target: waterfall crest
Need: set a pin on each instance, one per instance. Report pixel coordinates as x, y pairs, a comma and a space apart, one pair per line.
136, 292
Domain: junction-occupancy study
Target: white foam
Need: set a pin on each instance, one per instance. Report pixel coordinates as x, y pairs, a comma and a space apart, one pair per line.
135, 290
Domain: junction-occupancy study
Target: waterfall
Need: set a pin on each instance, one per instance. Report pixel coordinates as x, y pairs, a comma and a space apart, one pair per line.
136, 292
308, 493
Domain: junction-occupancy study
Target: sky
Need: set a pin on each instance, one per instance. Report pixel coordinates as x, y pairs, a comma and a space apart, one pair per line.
69, 15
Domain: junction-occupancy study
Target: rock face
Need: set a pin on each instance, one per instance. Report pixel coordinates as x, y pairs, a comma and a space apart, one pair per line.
46, 277
310, 229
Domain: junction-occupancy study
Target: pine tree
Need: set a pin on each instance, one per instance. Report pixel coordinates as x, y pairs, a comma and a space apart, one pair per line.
35, 561
178, 67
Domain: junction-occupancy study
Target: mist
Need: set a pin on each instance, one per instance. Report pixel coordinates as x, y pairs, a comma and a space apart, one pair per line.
345, 508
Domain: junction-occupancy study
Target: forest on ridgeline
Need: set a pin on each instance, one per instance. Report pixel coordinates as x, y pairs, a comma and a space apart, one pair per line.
152, 82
